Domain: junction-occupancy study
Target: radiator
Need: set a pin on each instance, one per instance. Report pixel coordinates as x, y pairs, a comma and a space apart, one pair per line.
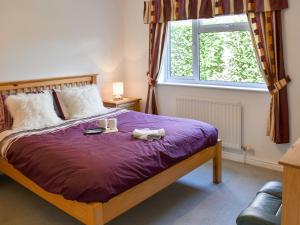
225, 116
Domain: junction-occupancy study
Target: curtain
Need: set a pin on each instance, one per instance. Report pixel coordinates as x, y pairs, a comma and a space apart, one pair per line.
267, 38
157, 35
266, 31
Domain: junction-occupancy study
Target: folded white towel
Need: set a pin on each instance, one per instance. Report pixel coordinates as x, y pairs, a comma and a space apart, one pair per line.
147, 134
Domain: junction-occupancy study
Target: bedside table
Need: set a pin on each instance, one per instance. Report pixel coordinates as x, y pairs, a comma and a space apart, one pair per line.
125, 103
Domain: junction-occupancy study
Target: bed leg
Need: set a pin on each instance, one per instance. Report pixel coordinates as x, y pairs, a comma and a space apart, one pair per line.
96, 215
217, 164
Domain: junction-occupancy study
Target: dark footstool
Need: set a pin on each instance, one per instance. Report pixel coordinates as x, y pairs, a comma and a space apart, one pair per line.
265, 209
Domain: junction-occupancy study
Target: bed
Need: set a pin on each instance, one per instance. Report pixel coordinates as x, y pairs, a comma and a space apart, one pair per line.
97, 209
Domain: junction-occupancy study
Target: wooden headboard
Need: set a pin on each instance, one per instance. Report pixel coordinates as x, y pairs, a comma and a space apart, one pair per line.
46, 84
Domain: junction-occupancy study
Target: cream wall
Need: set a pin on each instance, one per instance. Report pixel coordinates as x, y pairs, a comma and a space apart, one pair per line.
45, 38
255, 104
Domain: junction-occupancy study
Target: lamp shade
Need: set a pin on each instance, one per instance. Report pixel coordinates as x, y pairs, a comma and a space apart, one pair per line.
118, 89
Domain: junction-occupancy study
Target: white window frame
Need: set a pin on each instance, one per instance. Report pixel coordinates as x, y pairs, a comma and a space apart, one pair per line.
199, 27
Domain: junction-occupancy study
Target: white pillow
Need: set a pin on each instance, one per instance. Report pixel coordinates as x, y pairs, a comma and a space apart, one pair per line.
83, 101
32, 111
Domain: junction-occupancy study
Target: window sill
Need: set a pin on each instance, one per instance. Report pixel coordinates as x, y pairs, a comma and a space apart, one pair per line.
251, 89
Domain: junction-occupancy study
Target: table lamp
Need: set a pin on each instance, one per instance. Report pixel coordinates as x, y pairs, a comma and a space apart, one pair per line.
118, 90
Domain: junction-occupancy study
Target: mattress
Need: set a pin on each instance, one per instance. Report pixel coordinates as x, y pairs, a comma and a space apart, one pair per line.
62, 160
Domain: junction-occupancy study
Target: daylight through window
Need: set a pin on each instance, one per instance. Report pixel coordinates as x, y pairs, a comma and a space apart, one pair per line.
215, 51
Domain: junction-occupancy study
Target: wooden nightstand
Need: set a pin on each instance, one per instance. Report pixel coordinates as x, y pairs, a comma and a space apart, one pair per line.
125, 103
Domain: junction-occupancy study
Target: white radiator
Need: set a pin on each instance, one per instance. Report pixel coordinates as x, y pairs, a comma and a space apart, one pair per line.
225, 116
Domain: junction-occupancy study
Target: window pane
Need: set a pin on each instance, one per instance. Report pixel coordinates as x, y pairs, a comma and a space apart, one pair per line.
181, 50
228, 56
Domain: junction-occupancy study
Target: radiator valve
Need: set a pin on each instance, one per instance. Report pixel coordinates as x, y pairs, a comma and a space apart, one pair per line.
247, 148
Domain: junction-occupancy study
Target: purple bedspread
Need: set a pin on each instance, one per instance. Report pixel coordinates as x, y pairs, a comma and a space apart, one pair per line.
97, 168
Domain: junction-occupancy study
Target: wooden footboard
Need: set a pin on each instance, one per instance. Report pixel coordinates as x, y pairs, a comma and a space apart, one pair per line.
102, 213
143, 191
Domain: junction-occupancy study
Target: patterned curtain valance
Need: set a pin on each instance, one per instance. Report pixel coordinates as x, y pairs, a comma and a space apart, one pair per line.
161, 11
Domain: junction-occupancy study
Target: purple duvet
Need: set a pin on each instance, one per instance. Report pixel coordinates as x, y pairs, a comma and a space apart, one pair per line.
99, 167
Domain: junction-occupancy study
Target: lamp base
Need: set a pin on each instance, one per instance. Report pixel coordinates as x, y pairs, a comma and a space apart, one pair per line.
118, 97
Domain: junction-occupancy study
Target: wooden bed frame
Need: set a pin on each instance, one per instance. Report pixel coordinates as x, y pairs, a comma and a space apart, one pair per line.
101, 213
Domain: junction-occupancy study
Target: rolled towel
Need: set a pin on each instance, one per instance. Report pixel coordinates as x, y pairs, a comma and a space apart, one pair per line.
147, 134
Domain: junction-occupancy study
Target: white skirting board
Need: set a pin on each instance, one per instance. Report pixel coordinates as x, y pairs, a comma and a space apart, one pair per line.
252, 161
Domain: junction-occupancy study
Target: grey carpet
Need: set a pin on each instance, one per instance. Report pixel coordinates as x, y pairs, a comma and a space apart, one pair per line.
193, 200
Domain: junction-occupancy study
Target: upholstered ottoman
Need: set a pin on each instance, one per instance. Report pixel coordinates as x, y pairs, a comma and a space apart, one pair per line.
265, 209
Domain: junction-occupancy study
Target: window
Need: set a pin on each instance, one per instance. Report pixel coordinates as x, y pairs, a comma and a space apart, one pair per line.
214, 51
